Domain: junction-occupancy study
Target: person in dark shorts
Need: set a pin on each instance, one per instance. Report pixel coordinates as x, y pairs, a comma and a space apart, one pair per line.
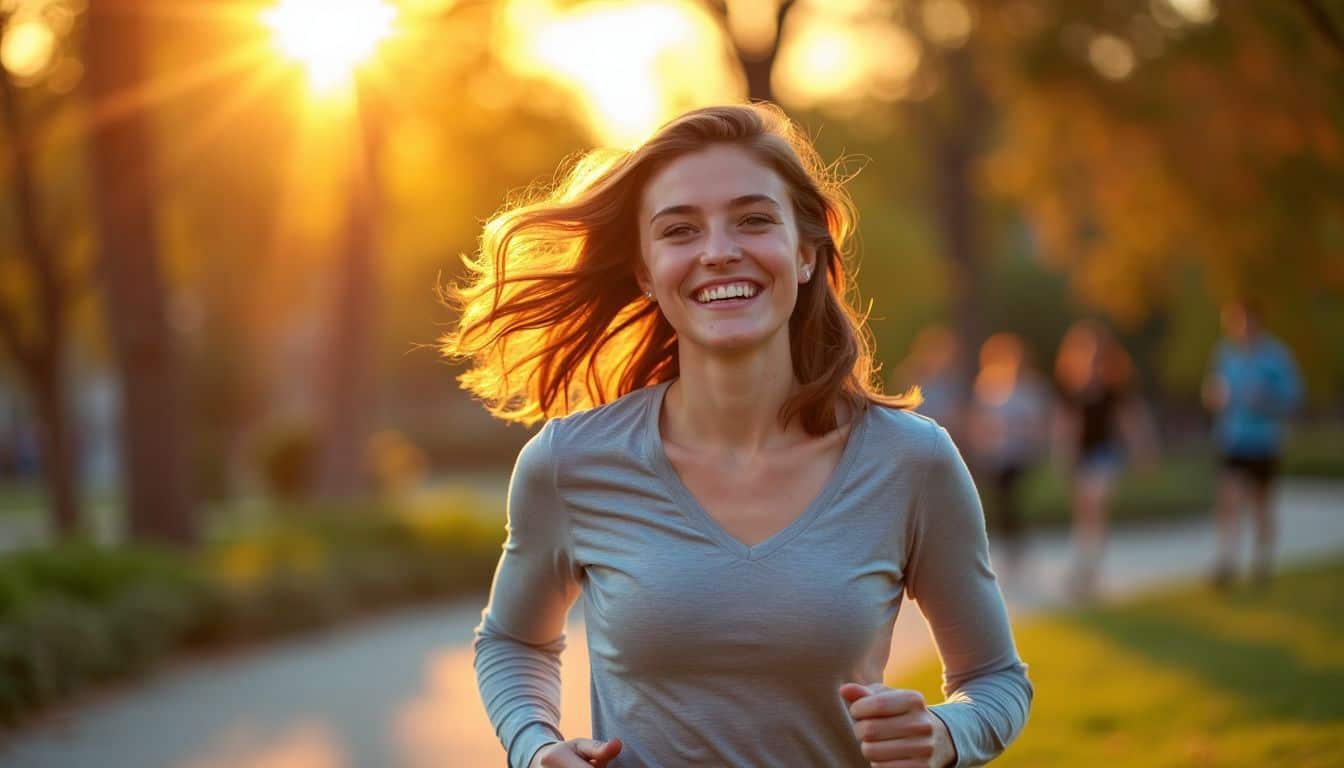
1099, 419
1252, 387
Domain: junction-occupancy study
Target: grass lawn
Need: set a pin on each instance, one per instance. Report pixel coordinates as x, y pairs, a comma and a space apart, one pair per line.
1188, 678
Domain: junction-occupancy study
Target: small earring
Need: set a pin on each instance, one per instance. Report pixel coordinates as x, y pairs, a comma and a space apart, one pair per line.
807, 274
648, 295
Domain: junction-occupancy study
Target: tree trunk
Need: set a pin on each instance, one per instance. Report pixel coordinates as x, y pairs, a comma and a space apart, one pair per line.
756, 65
757, 69
957, 141
155, 456
60, 463
349, 380
42, 360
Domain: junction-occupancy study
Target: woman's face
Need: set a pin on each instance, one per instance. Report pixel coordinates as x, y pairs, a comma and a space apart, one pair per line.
721, 250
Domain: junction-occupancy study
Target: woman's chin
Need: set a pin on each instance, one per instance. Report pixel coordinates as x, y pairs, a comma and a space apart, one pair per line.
735, 342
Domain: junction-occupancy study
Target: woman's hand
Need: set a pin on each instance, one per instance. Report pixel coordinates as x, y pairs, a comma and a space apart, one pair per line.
895, 729
576, 753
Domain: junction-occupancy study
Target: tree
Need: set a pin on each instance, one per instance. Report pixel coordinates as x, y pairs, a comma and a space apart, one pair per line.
157, 478
41, 345
1166, 160
756, 51
349, 377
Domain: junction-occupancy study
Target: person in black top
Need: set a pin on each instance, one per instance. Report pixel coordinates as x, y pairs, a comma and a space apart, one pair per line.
1099, 415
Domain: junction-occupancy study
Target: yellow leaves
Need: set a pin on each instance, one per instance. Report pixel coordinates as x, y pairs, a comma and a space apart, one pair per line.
397, 464
248, 562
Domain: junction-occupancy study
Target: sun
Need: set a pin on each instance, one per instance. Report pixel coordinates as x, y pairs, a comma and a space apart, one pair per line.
330, 37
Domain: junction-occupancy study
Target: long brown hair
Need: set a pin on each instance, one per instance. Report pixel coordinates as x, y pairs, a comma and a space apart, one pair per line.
554, 321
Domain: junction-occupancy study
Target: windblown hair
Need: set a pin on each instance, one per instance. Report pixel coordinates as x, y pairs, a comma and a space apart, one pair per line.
553, 320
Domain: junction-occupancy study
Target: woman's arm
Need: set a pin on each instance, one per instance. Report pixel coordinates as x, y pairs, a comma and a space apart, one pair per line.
521, 634
948, 573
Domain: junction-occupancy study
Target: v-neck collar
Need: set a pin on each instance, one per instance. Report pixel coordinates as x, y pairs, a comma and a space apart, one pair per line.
690, 506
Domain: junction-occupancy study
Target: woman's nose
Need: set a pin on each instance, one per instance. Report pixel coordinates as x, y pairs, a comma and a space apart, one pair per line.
720, 249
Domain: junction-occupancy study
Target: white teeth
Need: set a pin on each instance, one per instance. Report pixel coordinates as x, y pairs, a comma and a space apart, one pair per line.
728, 291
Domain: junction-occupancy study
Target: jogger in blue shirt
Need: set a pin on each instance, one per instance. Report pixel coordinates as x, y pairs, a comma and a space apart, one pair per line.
1252, 387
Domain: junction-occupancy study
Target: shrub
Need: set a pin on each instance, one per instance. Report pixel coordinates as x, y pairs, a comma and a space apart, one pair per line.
396, 464
74, 615
286, 455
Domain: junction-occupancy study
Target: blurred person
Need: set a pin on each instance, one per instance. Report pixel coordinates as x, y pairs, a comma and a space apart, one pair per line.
1008, 432
740, 510
1099, 421
932, 365
1252, 387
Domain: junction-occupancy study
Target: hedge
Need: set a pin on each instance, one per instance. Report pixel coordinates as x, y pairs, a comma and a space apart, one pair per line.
76, 615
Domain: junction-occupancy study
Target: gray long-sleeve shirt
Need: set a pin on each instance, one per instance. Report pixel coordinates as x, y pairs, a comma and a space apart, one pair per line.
705, 651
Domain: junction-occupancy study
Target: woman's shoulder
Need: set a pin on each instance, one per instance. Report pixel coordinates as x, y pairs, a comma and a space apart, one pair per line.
913, 434
622, 415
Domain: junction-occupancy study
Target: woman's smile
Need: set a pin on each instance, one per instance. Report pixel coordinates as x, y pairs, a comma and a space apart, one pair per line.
726, 295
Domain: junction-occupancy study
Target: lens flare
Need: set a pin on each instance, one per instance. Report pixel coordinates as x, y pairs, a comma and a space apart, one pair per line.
330, 38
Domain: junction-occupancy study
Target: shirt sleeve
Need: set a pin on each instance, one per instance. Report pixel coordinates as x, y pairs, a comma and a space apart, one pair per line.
518, 642
985, 683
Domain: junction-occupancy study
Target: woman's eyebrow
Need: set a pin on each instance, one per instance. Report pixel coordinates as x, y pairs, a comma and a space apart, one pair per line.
736, 202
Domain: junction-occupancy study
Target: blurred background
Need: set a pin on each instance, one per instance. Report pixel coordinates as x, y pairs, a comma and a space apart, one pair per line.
224, 227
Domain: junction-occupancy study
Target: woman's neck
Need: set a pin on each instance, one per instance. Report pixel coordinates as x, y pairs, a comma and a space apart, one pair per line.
730, 402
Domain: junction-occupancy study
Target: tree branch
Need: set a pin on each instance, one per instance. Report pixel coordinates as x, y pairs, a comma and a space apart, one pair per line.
1321, 19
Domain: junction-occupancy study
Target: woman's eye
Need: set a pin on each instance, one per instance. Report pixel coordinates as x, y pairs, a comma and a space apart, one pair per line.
758, 220
679, 230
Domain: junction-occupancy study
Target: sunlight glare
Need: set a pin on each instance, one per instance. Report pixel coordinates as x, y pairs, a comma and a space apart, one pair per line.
1111, 56
829, 59
27, 48
633, 65
948, 22
1195, 11
330, 38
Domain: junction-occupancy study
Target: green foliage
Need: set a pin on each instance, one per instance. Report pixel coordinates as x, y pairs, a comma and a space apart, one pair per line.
1195, 177
1315, 451
75, 615
1187, 677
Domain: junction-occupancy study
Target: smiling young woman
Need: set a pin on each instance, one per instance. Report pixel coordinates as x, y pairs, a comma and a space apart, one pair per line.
741, 510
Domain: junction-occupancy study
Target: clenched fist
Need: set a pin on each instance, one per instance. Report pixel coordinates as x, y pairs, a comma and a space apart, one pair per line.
895, 729
576, 753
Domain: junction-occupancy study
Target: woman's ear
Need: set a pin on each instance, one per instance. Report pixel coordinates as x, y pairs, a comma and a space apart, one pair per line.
643, 280
807, 262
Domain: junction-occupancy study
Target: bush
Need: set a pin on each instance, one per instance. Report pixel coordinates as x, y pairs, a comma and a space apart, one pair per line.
75, 615
286, 455
396, 464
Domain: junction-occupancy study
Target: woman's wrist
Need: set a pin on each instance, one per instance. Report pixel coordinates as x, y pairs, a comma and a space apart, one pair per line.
944, 749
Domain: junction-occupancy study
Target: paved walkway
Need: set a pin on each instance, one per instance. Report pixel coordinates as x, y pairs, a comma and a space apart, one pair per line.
401, 691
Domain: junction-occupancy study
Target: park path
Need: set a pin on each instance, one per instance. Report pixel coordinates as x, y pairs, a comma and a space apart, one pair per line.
400, 691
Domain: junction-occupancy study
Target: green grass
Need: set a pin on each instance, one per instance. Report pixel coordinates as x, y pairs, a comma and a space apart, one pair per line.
1187, 678
20, 498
